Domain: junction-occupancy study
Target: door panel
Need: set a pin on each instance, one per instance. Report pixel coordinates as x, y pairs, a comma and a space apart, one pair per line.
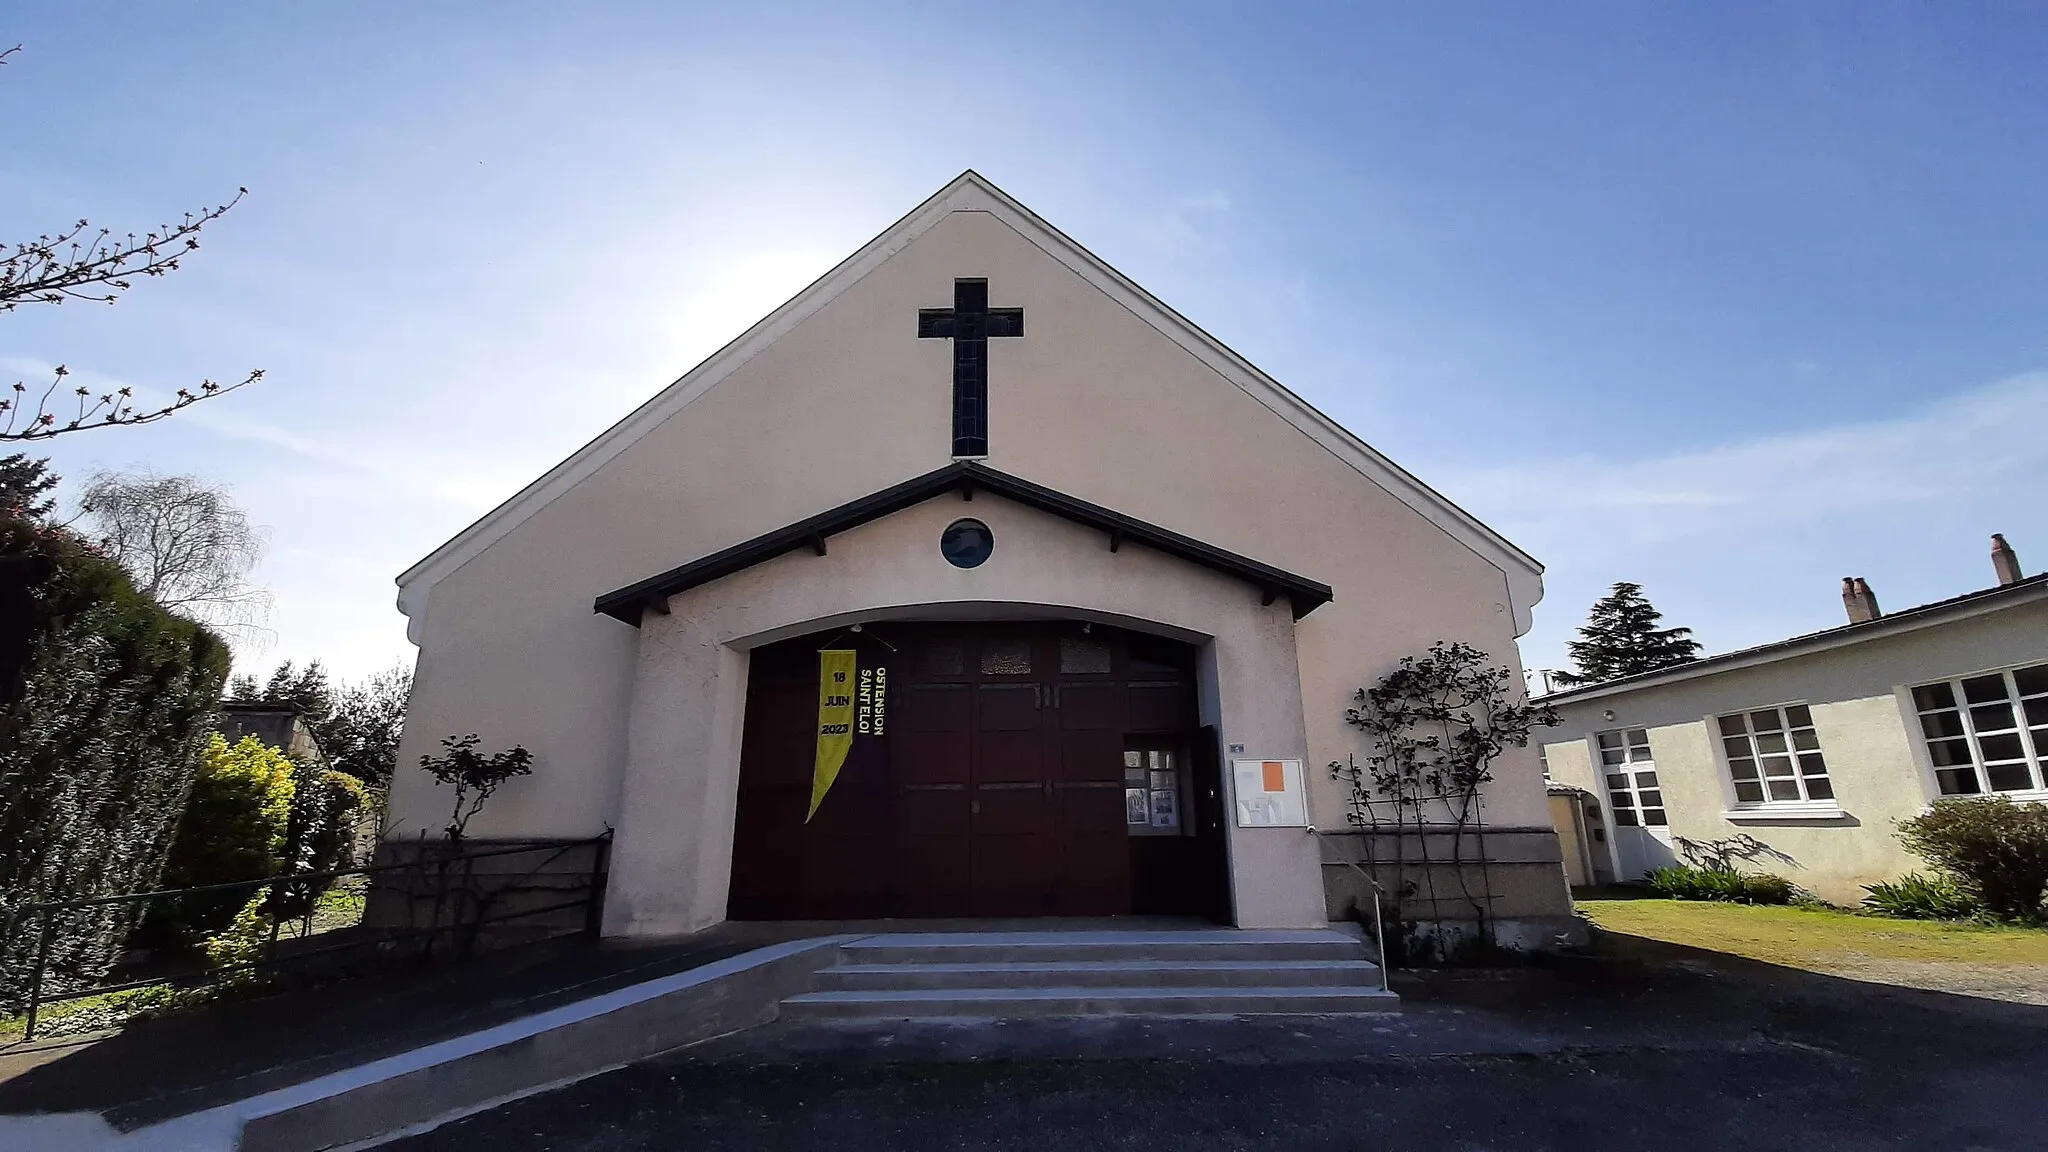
933, 734
1090, 706
1161, 707
1007, 744
1094, 858
1013, 832
999, 791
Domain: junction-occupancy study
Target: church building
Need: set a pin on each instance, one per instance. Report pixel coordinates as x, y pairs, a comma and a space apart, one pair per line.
974, 581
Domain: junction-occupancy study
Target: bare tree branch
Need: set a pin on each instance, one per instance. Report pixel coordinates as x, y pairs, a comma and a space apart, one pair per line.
74, 266
84, 263
109, 409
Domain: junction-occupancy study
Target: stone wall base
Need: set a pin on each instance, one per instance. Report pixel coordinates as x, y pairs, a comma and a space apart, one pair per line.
521, 890
1446, 895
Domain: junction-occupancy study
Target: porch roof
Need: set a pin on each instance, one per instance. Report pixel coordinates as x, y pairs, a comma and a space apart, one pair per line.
966, 477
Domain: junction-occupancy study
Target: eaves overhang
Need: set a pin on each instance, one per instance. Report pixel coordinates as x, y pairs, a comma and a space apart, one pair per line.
966, 477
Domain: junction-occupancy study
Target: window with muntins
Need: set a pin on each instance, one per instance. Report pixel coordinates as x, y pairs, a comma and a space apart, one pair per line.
1774, 756
1987, 733
1631, 778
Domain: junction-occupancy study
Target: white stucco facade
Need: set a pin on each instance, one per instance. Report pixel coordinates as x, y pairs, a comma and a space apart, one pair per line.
1857, 686
1109, 398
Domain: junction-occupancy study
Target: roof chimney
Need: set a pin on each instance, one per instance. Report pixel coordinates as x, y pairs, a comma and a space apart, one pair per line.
2004, 560
1859, 600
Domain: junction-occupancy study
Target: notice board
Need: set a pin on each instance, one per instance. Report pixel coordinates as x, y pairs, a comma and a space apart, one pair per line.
1269, 794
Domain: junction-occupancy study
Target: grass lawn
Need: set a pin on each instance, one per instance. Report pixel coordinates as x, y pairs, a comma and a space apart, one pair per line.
2008, 963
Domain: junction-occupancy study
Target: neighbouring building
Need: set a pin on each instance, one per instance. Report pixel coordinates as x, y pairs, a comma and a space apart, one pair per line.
973, 581
279, 726
1801, 757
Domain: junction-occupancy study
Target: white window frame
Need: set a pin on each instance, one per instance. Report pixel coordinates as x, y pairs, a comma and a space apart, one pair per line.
1805, 807
2032, 749
1628, 769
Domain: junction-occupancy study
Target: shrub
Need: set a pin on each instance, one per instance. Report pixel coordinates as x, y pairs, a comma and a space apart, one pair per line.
234, 828
1688, 882
1996, 850
321, 836
1918, 897
329, 805
242, 942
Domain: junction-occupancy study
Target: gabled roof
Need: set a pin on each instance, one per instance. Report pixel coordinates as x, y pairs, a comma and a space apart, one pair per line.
966, 477
1909, 620
971, 192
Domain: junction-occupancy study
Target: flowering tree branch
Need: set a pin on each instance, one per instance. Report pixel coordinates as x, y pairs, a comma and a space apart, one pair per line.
22, 421
95, 265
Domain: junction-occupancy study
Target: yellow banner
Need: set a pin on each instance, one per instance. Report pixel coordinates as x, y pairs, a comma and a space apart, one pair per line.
835, 721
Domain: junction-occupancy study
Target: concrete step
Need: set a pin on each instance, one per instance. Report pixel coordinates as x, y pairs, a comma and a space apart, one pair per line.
1103, 974
1027, 947
1013, 1003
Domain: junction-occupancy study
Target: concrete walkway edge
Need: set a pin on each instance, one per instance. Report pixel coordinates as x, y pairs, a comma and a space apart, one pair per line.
414, 1090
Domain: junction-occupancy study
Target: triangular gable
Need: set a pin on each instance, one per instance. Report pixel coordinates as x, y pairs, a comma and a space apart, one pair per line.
970, 192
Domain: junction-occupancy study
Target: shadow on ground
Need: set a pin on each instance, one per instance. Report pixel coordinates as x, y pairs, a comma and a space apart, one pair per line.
157, 1068
1636, 1043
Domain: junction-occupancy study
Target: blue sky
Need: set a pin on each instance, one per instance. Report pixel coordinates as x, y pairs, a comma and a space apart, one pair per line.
1728, 300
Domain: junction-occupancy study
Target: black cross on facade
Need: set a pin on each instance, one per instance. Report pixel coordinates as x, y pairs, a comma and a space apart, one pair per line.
970, 323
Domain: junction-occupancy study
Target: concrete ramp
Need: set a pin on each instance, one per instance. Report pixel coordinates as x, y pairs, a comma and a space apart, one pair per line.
430, 1085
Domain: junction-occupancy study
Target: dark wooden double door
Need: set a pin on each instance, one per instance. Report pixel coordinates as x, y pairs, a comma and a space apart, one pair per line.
998, 789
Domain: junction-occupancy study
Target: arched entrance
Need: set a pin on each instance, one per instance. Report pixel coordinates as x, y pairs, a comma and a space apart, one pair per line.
1051, 768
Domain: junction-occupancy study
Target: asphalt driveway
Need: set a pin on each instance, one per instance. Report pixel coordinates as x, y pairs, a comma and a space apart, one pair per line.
1642, 1045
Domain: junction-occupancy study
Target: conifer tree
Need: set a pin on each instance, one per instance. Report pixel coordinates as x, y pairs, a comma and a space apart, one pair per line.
1621, 638
24, 487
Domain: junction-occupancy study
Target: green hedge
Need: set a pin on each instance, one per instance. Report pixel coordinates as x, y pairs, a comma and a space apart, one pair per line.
105, 699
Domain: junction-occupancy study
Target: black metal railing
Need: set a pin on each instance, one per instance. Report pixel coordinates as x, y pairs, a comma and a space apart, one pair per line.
440, 901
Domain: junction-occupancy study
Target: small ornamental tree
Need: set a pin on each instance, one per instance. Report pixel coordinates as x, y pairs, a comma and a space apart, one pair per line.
473, 775
1621, 638
1436, 724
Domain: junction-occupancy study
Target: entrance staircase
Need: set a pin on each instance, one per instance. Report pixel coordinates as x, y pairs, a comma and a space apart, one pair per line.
1173, 972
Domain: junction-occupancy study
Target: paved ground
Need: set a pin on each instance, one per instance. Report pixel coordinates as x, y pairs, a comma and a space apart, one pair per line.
1644, 1045
151, 1070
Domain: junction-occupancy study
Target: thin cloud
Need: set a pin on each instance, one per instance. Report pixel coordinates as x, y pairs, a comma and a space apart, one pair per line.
1966, 448
1744, 542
